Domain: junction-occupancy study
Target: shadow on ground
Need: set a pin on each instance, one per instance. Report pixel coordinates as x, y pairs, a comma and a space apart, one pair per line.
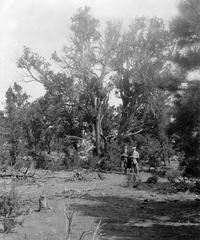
130, 218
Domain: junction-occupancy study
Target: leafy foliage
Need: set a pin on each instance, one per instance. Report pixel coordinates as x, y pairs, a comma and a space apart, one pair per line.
185, 29
185, 125
16, 106
146, 66
10, 209
138, 61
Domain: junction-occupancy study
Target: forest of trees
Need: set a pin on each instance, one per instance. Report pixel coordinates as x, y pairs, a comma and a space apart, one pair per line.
147, 66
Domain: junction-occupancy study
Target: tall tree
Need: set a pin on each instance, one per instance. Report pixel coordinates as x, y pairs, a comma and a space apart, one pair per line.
185, 127
185, 28
15, 108
186, 123
88, 59
138, 62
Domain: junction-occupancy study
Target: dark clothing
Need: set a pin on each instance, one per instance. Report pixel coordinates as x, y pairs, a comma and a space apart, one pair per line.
124, 159
129, 162
126, 162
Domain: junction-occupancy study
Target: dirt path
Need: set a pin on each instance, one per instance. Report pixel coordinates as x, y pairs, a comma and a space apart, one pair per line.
127, 213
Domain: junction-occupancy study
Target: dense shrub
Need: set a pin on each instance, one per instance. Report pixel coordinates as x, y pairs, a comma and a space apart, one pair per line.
9, 209
4, 157
113, 157
154, 153
191, 166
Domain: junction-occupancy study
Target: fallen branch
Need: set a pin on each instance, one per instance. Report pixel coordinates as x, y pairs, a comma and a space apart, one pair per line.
61, 177
9, 175
76, 193
17, 175
26, 171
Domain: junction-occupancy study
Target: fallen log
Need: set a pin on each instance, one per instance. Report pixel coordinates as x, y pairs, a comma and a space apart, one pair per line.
18, 175
9, 175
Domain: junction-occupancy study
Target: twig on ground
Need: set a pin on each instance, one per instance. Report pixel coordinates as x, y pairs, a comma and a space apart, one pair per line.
76, 193
96, 234
69, 214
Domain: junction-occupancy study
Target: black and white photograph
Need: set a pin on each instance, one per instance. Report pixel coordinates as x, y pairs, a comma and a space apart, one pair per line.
100, 120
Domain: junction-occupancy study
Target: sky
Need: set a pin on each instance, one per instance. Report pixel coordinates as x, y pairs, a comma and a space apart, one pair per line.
43, 26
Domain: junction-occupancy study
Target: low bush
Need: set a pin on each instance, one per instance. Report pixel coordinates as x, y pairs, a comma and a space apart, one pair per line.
173, 175
10, 209
153, 179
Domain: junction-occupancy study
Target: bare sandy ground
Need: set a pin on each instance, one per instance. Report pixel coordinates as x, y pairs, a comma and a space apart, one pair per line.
140, 213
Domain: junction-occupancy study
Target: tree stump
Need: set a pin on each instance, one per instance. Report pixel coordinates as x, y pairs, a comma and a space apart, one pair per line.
42, 203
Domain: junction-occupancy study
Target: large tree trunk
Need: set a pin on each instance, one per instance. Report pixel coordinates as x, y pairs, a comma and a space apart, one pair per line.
98, 132
124, 122
130, 105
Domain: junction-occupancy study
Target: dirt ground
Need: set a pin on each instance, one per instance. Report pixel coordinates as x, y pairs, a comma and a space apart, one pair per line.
140, 213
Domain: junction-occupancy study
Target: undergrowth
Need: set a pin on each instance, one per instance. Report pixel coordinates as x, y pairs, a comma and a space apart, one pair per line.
9, 209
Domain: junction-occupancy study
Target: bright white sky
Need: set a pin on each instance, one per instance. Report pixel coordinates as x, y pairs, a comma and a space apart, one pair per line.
43, 25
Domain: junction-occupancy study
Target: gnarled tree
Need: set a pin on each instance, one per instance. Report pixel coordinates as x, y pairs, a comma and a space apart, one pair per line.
86, 61
138, 62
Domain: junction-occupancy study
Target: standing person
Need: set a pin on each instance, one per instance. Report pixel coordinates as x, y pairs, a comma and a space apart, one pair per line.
134, 161
124, 160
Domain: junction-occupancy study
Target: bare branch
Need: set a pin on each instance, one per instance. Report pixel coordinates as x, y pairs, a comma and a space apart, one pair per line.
139, 131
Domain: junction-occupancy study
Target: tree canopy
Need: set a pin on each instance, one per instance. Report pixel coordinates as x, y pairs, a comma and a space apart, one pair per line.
145, 65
